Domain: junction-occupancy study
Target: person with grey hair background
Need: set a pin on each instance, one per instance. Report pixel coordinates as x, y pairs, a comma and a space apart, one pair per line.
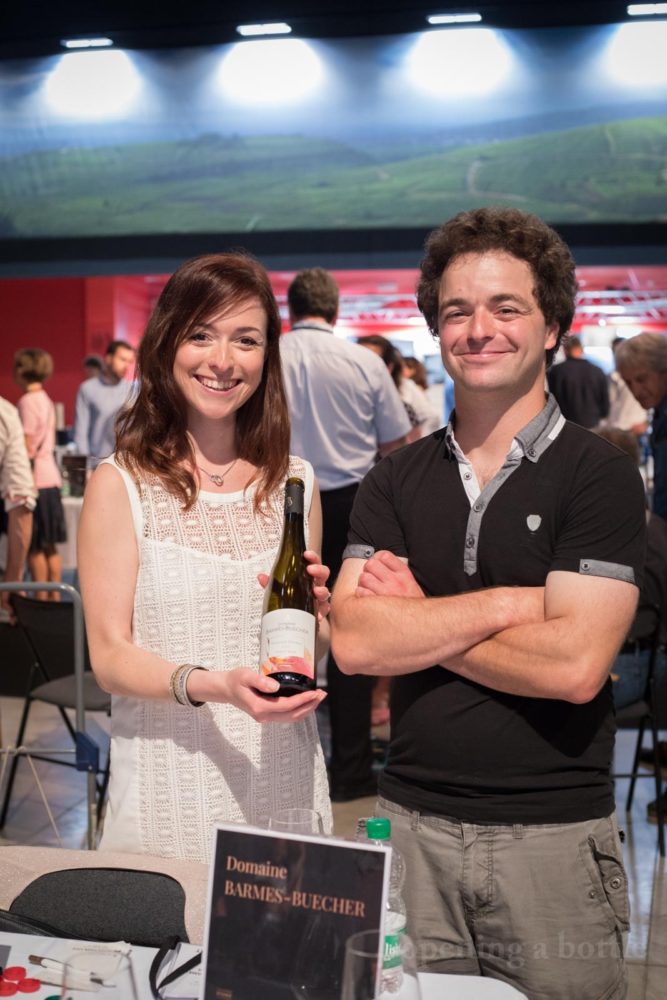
642, 363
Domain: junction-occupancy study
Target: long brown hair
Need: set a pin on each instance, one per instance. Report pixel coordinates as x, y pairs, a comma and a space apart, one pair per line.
151, 435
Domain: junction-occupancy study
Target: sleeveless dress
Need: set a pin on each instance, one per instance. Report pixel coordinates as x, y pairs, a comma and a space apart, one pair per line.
177, 771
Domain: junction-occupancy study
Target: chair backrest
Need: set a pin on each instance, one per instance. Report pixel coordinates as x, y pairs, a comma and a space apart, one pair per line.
107, 904
105, 895
647, 623
48, 627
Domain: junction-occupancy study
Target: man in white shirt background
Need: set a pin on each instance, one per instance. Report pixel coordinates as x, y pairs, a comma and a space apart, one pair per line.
344, 409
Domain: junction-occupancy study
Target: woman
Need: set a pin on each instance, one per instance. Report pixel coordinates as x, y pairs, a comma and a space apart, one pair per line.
175, 530
32, 367
413, 399
415, 370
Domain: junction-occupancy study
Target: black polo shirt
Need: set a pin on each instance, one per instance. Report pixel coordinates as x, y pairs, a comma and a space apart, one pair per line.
564, 500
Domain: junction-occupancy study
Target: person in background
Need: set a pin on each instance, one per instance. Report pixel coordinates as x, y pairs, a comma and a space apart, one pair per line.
344, 409
99, 400
93, 366
580, 387
416, 371
415, 402
625, 412
642, 363
177, 532
493, 574
19, 495
630, 668
32, 367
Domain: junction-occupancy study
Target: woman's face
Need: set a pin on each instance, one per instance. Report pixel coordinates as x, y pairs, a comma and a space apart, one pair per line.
220, 363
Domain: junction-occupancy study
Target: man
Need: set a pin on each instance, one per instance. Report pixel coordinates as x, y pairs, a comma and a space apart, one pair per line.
344, 408
17, 489
624, 410
492, 571
580, 387
642, 363
92, 366
98, 402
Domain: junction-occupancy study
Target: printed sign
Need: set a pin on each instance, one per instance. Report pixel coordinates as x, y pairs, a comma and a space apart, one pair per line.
281, 907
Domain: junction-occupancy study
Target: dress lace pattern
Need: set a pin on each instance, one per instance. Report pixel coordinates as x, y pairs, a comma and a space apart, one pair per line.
178, 771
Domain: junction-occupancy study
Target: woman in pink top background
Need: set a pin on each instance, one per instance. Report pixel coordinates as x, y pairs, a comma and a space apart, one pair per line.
32, 366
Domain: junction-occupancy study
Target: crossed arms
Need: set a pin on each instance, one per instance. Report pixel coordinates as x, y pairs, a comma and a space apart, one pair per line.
552, 642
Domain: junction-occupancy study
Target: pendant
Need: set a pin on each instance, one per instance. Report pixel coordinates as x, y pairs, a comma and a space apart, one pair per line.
216, 480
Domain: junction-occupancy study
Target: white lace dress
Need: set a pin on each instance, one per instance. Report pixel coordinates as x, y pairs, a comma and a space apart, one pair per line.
175, 771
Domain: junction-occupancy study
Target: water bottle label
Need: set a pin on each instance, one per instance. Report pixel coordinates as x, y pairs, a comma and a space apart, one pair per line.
288, 642
391, 958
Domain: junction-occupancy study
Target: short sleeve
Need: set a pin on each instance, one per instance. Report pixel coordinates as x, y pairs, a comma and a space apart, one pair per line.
30, 415
374, 522
604, 525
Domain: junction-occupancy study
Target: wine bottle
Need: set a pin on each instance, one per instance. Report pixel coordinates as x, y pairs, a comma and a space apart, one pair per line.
289, 624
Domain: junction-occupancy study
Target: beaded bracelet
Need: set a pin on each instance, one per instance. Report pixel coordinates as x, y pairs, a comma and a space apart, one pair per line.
178, 685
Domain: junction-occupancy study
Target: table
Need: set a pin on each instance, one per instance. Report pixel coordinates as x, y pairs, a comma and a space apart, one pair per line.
54, 951
23, 947
437, 987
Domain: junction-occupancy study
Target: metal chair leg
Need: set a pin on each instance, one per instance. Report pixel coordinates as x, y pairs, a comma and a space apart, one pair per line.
14, 764
635, 765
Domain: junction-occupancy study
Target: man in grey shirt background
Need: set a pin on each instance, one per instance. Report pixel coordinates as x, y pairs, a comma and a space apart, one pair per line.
344, 410
99, 400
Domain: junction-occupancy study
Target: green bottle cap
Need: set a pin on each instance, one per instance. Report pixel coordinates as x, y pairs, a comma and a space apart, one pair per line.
378, 828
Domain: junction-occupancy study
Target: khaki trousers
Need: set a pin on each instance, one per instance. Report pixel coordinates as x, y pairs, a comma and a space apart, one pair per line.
544, 908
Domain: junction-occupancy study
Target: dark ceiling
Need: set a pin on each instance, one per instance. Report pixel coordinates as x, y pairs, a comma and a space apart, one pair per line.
36, 28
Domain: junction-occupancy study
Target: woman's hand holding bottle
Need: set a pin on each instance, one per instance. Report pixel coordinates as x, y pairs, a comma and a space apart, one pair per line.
253, 693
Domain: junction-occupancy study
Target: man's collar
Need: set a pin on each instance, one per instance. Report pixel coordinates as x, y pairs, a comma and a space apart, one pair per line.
313, 324
533, 439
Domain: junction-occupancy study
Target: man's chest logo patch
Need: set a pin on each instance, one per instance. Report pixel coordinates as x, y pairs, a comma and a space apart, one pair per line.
533, 521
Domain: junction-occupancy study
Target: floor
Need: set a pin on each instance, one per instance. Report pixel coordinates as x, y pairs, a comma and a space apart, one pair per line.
29, 823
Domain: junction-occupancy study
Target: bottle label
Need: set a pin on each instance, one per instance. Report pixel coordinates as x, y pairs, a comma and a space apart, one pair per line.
288, 642
391, 957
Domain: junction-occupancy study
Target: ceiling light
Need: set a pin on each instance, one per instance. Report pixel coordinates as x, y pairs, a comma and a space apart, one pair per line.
270, 71
646, 9
453, 18
252, 30
86, 43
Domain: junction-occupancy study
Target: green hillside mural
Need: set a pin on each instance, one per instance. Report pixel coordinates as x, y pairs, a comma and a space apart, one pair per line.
611, 172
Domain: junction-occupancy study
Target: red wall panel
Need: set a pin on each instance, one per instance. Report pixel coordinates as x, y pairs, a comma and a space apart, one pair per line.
47, 313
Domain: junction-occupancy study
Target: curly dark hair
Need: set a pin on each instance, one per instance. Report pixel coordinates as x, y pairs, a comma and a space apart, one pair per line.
520, 234
151, 435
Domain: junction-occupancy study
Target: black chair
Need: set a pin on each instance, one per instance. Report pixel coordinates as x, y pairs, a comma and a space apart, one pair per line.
60, 675
646, 633
103, 895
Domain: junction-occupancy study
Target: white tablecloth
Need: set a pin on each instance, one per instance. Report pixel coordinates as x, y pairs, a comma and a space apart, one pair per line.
24, 947
436, 987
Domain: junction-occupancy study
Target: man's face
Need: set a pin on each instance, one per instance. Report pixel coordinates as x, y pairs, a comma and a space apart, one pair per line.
493, 336
648, 387
119, 363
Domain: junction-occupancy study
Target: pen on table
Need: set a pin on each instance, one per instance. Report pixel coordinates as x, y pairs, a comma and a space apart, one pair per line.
55, 965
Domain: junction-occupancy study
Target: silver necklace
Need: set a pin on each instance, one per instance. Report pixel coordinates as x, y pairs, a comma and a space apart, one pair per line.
216, 479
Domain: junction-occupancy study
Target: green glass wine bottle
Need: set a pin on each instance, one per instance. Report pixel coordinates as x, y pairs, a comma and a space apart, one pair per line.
289, 623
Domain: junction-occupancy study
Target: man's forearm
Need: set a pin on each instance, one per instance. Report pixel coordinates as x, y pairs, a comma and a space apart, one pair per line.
19, 532
567, 656
401, 635
535, 661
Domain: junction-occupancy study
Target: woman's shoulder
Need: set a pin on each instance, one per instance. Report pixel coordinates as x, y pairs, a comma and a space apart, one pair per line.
297, 463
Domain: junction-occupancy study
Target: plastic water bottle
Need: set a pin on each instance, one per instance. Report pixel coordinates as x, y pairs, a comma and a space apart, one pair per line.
378, 831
